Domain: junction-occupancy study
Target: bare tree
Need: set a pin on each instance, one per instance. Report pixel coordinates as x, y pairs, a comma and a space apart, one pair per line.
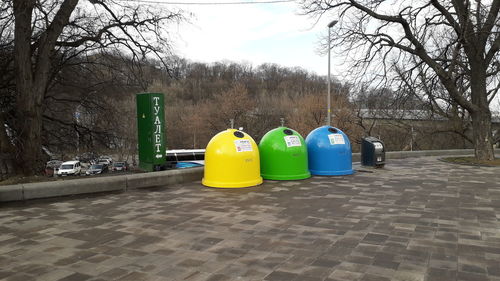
48, 34
308, 112
426, 46
234, 103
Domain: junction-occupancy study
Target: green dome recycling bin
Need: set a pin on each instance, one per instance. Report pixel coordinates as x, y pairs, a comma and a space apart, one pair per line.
283, 155
232, 161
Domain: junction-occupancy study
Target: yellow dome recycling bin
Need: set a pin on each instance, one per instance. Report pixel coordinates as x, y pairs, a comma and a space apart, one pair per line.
283, 155
232, 161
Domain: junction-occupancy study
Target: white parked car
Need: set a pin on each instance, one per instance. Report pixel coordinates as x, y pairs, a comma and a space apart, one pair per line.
70, 168
107, 158
104, 161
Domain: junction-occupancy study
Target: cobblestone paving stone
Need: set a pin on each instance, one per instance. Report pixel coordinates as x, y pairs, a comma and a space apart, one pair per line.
416, 220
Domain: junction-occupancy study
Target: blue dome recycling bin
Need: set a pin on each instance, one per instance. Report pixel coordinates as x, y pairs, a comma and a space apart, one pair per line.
330, 152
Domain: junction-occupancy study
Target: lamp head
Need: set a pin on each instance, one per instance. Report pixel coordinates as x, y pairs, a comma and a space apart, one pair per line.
332, 23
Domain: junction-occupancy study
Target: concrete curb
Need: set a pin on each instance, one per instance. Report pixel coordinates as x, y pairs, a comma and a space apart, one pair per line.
356, 157
163, 178
49, 189
73, 187
11, 193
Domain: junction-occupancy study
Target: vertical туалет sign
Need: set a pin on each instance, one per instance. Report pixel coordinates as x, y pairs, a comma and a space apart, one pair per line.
151, 130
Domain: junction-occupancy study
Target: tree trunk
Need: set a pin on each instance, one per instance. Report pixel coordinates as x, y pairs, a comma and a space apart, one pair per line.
483, 138
32, 80
6, 154
481, 115
29, 138
28, 105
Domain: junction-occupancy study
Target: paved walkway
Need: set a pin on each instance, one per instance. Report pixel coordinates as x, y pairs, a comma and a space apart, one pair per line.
416, 220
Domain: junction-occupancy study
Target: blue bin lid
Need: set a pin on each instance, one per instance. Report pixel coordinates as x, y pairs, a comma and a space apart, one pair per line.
181, 165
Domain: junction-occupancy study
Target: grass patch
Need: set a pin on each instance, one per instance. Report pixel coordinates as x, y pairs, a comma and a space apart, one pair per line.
472, 161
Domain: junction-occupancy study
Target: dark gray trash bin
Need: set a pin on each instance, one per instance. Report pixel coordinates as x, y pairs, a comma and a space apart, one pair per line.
372, 152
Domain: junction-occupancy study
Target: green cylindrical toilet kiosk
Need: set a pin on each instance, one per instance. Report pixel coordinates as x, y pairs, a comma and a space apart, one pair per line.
283, 155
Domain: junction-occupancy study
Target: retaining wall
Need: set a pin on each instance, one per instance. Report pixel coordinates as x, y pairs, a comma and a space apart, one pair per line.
124, 182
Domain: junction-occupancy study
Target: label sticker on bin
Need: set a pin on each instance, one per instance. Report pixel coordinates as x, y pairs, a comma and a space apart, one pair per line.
292, 141
243, 145
378, 145
336, 139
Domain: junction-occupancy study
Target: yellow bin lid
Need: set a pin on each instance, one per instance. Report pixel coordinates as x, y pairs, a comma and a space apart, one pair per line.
232, 161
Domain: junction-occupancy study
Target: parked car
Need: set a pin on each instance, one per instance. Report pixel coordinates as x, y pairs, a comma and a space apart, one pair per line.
96, 169
104, 161
106, 157
52, 167
120, 166
70, 168
87, 157
54, 164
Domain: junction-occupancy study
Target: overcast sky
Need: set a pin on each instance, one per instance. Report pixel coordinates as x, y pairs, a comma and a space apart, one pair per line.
257, 33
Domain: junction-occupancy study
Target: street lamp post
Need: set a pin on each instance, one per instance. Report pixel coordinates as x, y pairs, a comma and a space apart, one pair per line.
329, 114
